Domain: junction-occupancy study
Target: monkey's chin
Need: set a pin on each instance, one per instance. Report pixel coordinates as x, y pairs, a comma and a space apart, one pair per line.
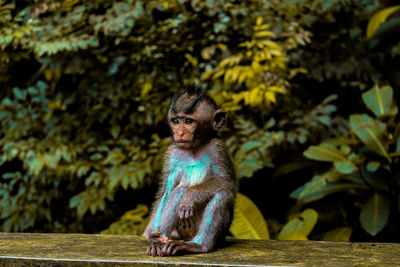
183, 144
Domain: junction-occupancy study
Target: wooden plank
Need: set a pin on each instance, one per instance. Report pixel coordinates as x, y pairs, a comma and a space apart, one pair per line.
24, 249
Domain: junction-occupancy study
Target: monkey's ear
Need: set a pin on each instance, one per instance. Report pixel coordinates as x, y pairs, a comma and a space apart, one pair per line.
219, 120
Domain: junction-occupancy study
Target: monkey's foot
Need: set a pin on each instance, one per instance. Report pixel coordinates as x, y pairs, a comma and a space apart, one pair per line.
155, 249
186, 216
172, 247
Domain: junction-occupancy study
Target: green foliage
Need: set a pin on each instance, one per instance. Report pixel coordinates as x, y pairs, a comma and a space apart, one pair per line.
133, 222
80, 126
253, 68
379, 18
249, 223
362, 161
86, 84
375, 214
300, 226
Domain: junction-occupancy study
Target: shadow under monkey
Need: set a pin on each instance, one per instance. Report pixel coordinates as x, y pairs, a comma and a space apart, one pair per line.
194, 206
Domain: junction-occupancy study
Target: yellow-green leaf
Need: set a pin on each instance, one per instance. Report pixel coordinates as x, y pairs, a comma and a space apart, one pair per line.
299, 227
262, 34
325, 152
341, 234
259, 21
133, 222
380, 18
248, 222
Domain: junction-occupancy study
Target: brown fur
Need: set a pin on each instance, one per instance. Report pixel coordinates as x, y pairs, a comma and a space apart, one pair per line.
194, 206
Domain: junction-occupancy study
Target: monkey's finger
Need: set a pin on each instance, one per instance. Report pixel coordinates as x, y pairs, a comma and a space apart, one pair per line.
159, 251
187, 213
188, 224
191, 213
165, 249
191, 222
177, 248
181, 215
153, 251
149, 251
168, 250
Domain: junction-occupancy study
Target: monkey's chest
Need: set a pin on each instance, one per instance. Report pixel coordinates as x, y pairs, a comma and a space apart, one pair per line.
192, 171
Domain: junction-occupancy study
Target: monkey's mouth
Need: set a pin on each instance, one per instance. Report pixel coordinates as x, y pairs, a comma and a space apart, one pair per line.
182, 142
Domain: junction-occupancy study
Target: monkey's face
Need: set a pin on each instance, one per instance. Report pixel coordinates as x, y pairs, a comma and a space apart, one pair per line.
194, 122
183, 128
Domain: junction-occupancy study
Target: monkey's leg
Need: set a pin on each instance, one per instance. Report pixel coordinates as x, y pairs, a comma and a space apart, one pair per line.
214, 223
169, 216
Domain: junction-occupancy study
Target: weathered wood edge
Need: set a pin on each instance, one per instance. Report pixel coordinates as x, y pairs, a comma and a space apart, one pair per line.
26, 249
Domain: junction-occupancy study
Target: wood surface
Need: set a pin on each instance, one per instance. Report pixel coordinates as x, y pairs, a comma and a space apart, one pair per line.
24, 249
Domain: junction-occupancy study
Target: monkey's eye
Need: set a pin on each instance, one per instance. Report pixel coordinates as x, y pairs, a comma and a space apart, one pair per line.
175, 121
188, 121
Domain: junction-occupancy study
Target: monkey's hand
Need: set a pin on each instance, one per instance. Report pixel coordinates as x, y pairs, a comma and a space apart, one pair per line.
172, 247
156, 237
186, 216
157, 243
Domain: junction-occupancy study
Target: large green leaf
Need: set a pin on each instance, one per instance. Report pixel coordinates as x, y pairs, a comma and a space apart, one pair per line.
380, 101
325, 152
370, 132
300, 227
248, 222
375, 214
323, 185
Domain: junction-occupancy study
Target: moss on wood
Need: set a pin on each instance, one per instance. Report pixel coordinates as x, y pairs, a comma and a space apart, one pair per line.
119, 250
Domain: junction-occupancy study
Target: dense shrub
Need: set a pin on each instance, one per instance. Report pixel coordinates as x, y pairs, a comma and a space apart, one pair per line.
86, 85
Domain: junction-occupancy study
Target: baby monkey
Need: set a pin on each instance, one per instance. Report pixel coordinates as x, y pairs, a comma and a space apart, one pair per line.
194, 206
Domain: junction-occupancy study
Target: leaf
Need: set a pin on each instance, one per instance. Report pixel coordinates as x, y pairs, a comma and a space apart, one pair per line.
259, 20
19, 94
379, 18
323, 185
398, 144
8, 102
133, 222
310, 218
370, 132
324, 152
380, 101
36, 165
115, 130
375, 214
248, 222
96, 156
345, 167
340, 234
300, 227
372, 166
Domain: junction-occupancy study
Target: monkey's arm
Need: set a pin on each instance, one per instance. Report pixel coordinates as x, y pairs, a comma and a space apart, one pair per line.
169, 181
199, 195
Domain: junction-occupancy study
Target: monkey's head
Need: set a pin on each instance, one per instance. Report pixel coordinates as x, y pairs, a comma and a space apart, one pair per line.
194, 118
